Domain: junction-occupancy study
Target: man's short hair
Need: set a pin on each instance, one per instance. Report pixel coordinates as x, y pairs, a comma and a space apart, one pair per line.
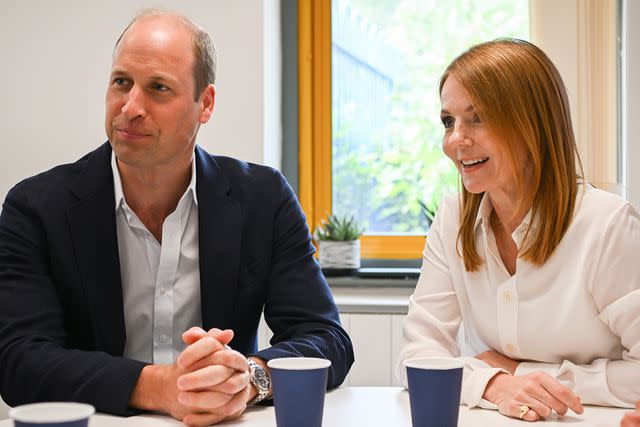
204, 69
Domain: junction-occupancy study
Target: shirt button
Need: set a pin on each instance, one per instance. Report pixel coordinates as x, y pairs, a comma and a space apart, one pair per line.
508, 296
163, 291
163, 338
510, 348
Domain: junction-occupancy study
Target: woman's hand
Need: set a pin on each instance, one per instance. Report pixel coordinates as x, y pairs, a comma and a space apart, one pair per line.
632, 419
498, 360
539, 392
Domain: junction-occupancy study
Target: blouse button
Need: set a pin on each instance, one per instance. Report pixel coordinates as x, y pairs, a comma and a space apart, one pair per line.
508, 296
510, 348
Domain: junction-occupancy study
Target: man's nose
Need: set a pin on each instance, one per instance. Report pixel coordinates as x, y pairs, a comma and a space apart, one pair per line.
134, 105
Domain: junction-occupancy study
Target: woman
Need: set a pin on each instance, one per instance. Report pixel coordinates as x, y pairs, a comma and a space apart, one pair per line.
632, 419
541, 268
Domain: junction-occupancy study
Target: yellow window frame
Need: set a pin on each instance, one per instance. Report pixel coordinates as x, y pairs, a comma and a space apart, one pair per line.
314, 89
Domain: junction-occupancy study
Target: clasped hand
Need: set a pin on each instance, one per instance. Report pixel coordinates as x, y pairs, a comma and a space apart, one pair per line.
632, 419
539, 391
208, 383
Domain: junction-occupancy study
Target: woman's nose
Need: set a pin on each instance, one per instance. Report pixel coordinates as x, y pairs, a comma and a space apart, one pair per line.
459, 135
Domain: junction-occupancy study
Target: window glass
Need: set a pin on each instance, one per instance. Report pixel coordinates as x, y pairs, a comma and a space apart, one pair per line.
388, 168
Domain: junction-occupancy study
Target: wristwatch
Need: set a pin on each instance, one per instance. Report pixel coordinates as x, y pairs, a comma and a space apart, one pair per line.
260, 379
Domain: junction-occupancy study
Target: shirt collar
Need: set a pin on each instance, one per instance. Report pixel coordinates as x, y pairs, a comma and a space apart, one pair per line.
484, 211
117, 182
484, 214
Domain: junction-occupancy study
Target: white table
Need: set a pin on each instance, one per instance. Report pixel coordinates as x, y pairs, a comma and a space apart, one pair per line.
370, 407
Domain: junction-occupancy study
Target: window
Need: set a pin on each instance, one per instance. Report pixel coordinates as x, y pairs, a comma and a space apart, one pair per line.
369, 108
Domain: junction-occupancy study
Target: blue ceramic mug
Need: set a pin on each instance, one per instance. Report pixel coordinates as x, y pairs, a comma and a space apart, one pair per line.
434, 391
52, 414
299, 387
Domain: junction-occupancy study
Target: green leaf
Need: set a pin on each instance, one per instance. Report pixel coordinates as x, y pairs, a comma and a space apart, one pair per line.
338, 228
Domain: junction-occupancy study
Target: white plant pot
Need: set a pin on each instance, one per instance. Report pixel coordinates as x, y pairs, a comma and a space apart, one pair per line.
334, 255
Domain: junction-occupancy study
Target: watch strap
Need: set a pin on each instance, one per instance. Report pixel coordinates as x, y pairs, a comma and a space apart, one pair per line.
254, 371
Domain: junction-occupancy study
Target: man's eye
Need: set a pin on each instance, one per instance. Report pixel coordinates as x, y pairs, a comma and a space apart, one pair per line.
119, 81
160, 87
447, 121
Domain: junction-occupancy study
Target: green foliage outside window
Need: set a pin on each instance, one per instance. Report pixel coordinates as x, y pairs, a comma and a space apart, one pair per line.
402, 168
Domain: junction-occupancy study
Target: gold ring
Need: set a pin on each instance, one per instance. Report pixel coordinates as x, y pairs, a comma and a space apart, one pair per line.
523, 411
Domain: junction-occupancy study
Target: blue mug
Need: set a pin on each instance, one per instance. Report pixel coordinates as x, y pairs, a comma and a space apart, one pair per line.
434, 391
299, 387
52, 414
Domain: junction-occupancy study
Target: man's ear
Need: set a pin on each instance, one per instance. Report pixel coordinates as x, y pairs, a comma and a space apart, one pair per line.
207, 101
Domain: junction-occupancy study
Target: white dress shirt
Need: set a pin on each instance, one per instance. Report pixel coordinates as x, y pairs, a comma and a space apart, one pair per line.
160, 282
576, 317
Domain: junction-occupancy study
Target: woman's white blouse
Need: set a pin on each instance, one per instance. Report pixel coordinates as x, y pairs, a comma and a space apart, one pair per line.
577, 317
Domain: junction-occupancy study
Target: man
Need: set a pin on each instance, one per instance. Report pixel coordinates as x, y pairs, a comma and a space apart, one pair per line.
112, 268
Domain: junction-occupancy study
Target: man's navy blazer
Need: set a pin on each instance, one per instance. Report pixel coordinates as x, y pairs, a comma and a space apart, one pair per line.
62, 331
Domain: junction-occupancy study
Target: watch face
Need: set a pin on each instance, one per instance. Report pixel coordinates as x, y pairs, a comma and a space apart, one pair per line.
262, 379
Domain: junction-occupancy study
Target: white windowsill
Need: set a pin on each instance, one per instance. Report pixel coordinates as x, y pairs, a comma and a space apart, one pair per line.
372, 300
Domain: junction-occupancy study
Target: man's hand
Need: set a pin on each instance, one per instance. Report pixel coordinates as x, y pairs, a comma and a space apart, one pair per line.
202, 387
499, 360
539, 391
632, 419
215, 381
195, 333
157, 390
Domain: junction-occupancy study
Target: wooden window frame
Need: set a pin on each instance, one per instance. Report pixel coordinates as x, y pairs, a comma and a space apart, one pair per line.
314, 80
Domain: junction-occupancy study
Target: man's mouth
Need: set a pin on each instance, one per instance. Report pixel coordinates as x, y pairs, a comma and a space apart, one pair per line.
133, 132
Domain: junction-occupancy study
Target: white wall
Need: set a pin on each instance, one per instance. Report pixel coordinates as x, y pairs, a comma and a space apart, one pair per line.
554, 28
631, 98
56, 57
562, 29
4, 410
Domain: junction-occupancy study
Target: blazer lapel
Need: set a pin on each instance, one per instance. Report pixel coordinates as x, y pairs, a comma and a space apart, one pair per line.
92, 223
220, 235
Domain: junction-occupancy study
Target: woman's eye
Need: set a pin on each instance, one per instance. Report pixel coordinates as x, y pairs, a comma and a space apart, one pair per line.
447, 121
476, 118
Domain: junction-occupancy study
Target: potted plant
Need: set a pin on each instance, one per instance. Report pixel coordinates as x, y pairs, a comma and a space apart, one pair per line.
427, 213
339, 245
